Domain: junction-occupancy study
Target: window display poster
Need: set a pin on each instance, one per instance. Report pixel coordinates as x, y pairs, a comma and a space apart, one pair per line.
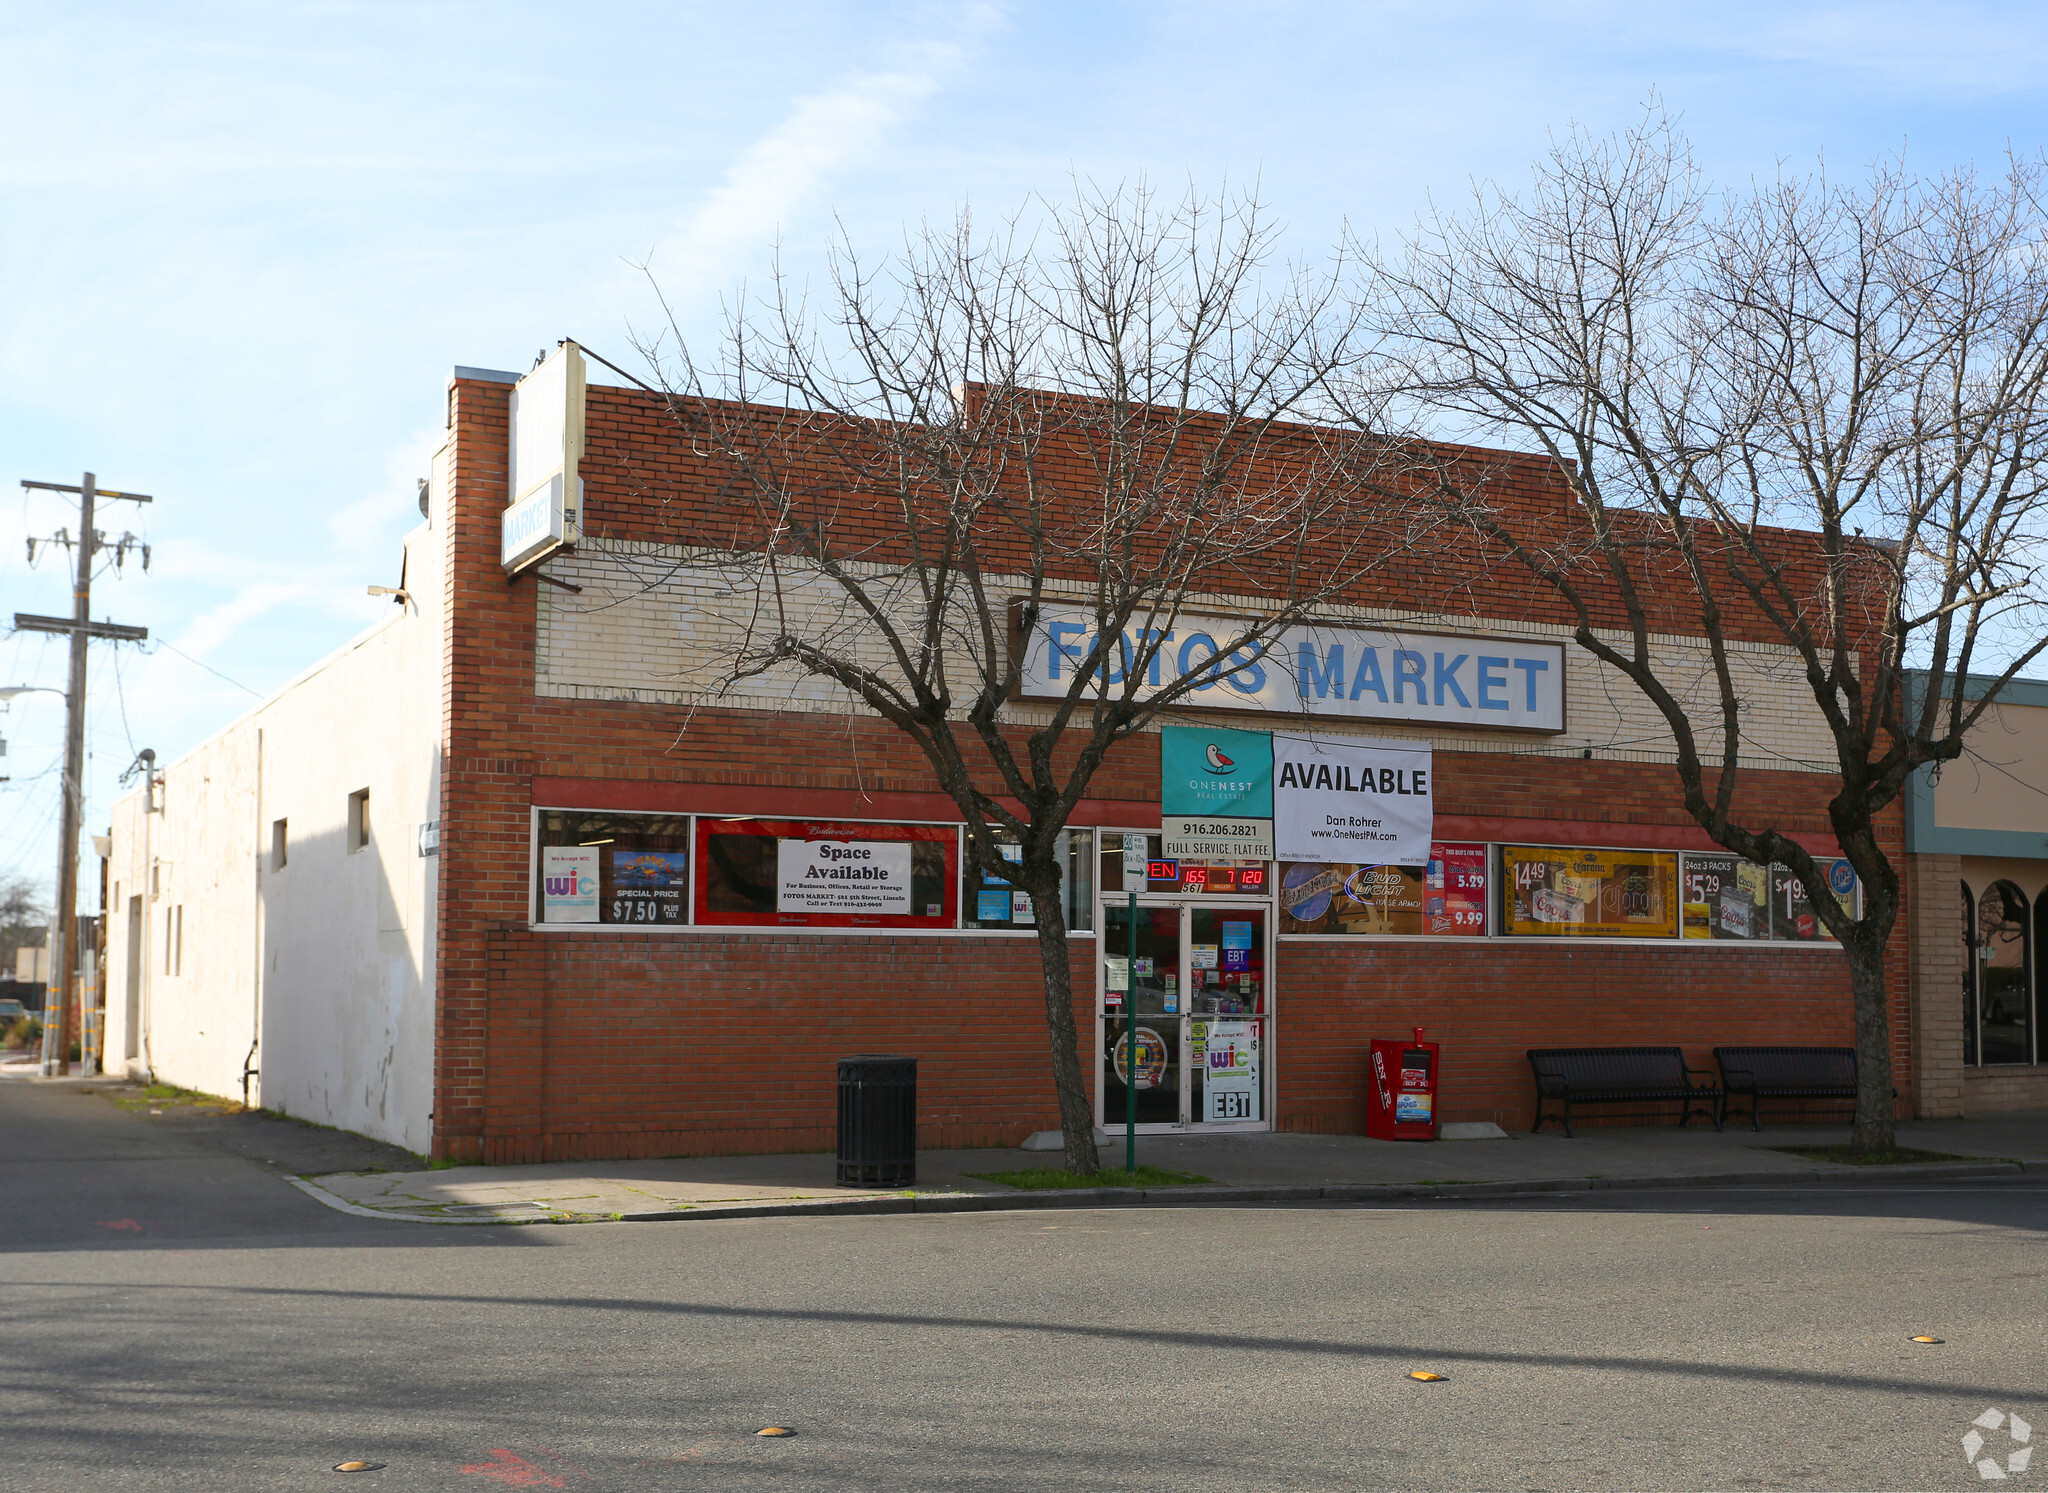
1229, 1053
1237, 946
569, 883
1014, 854
1445, 897
648, 885
992, 907
843, 876
1726, 897
1792, 914
1590, 893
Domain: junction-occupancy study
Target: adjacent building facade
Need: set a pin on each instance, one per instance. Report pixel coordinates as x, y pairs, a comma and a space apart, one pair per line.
1977, 833
513, 876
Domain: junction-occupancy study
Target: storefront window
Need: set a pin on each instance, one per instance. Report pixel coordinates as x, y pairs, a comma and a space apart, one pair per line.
1446, 898
613, 868
1729, 897
991, 903
1133, 862
808, 873
2003, 963
1558, 893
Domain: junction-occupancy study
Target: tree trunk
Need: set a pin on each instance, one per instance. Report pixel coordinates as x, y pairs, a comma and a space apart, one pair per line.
1875, 1114
1077, 1116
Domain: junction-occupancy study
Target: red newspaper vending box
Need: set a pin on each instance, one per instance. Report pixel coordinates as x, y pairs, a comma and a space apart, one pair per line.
1403, 1102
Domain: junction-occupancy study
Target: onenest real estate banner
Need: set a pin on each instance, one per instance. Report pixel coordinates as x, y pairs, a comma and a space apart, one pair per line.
1312, 669
1216, 794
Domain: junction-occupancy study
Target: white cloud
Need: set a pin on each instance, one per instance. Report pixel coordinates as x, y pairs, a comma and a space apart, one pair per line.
786, 170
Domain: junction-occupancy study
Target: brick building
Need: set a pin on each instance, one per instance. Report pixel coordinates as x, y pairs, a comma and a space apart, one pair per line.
509, 879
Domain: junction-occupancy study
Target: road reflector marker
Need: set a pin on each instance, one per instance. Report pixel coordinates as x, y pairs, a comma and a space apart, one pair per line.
358, 1466
1426, 1376
775, 1431
1923, 1338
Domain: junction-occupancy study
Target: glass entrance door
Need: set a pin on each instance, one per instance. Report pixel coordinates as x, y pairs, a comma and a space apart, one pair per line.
1140, 1007
1187, 1021
1227, 1025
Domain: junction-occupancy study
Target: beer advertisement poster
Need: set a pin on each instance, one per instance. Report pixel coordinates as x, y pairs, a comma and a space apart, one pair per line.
1446, 897
1590, 893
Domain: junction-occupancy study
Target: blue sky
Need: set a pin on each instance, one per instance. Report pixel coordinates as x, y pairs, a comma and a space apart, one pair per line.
242, 244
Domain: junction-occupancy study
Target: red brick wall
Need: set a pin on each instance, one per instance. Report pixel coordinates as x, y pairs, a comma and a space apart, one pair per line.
1490, 1001
614, 1044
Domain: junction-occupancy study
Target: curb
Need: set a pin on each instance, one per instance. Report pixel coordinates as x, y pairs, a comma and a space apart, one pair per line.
1216, 1195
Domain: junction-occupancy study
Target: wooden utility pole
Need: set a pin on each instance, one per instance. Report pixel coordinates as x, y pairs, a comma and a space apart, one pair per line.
81, 628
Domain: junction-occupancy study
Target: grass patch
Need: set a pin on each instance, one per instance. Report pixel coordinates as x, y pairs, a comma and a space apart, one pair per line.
1848, 1156
1042, 1178
169, 1096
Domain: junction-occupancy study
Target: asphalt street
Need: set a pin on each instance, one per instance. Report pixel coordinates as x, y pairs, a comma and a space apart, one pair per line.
175, 1315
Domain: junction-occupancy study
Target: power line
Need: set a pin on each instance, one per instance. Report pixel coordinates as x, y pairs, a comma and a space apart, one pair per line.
216, 673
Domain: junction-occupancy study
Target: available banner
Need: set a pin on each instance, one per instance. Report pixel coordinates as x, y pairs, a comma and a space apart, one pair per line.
864, 876
1368, 802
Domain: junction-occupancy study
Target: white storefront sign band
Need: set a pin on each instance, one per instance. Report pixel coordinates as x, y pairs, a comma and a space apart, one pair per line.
1315, 669
845, 876
1366, 802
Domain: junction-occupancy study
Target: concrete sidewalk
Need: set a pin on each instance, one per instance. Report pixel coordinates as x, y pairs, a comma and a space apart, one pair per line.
1245, 1168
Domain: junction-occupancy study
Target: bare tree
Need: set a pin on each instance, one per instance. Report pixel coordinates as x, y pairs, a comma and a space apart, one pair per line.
1865, 362
1099, 416
24, 917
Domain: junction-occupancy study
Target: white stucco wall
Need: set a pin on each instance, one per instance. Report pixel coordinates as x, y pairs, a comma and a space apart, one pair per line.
324, 964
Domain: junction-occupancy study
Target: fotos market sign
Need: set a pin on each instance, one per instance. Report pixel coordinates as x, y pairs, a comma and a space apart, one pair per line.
1314, 669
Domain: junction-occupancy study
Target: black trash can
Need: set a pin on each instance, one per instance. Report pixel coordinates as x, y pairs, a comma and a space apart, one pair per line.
877, 1121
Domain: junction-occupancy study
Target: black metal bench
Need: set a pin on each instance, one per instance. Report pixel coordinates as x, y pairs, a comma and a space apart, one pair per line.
1786, 1073
1619, 1075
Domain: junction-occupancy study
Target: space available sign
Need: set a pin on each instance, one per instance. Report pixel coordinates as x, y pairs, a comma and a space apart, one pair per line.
1368, 802
1216, 794
546, 494
864, 876
1313, 669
